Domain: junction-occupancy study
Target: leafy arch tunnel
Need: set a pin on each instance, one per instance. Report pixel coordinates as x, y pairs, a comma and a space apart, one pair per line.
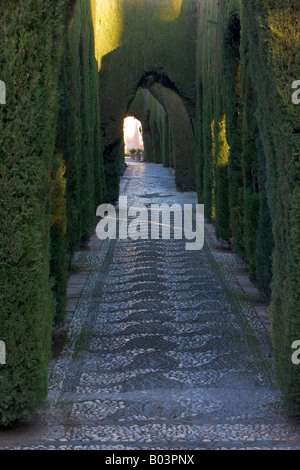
211, 82
164, 117
150, 65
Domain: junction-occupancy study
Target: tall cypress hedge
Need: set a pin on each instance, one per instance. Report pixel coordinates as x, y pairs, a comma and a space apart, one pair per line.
79, 136
272, 31
231, 179
231, 50
31, 37
52, 179
259, 62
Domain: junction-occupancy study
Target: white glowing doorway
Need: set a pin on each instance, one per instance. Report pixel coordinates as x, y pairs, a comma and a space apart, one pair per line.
133, 138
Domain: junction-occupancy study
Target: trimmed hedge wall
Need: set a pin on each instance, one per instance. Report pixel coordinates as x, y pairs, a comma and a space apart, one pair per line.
165, 55
247, 59
79, 141
272, 29
79, 137
31, 36
52, 179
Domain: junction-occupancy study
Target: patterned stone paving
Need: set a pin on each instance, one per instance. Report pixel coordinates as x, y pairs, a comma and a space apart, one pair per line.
164, 350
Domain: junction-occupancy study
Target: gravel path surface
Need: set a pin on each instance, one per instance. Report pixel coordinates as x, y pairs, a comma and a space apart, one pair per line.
164, 350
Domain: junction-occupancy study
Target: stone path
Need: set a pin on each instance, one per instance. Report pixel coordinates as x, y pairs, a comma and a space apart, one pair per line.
164, 350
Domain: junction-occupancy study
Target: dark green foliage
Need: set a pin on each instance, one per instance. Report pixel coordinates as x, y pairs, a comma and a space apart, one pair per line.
31, 36
79, 138
159, 132
112, 166
251, 211
221, 183
199, 151
52, 179
155, 125
265, 238
206, 151
258, 64
166, 141
272, 30
69, 133
58, 248
232, 100
249, 163
232, 191
259, 61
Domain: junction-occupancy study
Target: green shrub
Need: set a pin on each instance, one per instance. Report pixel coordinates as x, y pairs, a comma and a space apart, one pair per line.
31, 35
272, 31
52, 179
58, 226
79, 135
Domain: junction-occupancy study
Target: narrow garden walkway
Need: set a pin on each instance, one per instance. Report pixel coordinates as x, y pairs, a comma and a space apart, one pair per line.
164, 351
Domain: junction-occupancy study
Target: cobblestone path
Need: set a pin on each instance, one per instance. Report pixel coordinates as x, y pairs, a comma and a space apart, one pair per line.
164, 350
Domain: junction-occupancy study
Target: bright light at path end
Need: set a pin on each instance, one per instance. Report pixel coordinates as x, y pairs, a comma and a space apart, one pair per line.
132, 135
